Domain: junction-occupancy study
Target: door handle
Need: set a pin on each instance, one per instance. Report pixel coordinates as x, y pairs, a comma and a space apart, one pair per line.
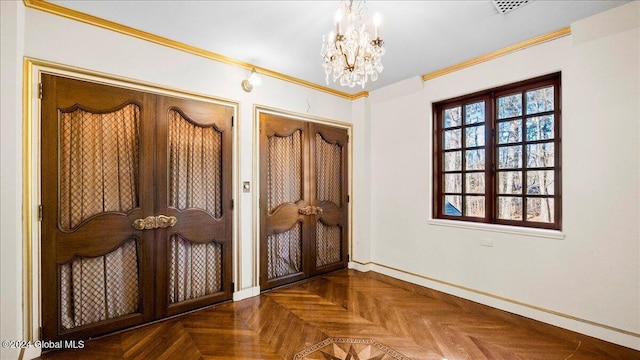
145, 224
154, 222
165, 221
310, 210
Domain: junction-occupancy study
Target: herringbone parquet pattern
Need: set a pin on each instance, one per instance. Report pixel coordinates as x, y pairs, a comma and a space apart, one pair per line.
417, 322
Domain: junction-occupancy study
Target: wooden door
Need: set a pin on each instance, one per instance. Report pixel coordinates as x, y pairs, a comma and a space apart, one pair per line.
136, 203
284, 192
303, 199
97, 147
194, 186
329, 197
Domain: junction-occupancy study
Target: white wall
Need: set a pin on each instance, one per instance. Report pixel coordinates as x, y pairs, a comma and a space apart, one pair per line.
361, 182
592, 276
11, 33
54, 39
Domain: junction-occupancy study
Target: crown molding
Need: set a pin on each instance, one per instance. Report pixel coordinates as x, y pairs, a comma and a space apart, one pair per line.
498, 53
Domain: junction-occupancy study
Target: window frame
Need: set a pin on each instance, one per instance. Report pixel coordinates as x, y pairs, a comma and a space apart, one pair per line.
491, 147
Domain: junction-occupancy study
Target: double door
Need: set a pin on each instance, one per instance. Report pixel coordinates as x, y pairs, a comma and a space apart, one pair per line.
303, 201
136, 206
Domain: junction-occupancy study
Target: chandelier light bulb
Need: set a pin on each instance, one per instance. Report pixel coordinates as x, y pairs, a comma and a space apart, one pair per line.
376, 22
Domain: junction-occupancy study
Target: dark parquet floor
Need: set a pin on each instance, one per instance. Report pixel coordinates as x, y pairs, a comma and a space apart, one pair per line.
417, 322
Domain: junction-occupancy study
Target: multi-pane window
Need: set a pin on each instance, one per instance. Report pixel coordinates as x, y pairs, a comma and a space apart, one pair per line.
497, 155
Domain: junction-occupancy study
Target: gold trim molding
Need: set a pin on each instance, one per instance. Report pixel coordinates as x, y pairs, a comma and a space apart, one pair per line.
27, 200
159, 40
498, 53
501, 298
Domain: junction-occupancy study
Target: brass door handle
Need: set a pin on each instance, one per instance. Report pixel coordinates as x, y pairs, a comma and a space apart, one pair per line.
145, 224
310, 210
165, 221
154, 222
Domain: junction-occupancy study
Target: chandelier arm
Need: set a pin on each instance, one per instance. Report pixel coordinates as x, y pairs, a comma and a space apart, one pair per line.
346, 59
353, 67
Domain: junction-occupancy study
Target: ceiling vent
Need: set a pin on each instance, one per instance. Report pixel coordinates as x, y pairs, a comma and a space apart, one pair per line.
505, 6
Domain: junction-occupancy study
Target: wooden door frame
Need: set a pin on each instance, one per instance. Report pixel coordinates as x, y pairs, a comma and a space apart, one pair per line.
260, 109
31, 174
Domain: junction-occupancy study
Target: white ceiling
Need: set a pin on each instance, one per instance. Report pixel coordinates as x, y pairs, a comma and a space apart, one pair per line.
286, 36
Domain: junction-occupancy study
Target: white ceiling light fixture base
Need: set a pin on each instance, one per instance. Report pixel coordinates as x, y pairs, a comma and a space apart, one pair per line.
505, 6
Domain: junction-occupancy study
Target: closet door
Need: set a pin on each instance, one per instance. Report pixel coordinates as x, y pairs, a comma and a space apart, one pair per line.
303, 199
97, 154
329, 197
284, 194
137, 208
194, 187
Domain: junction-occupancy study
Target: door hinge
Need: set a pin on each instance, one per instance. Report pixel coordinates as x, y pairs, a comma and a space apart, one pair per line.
348, 138
232, 121
233, 286
232, 204
348, 258
40, 91
39, 212
348, 198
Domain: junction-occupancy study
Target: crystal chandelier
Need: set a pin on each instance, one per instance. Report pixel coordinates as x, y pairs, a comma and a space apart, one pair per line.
350, 53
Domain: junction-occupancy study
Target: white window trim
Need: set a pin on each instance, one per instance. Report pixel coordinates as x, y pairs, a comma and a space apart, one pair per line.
495, 228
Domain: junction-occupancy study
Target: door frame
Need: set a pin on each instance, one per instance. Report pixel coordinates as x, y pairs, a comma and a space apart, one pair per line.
31, 172
260, 109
